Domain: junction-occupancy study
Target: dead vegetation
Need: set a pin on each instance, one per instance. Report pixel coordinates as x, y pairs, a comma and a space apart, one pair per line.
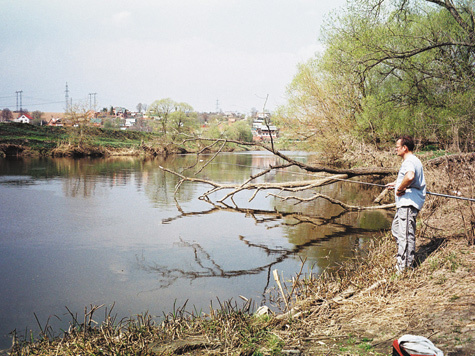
363, 307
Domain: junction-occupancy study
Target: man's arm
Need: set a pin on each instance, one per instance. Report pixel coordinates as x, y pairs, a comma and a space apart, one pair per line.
406, 182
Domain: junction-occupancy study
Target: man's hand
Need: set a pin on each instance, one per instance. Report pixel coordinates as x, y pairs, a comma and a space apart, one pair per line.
391, 185
400, 192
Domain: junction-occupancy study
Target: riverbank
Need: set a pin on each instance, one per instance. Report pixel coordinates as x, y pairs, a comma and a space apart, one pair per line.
28, 140
357, 310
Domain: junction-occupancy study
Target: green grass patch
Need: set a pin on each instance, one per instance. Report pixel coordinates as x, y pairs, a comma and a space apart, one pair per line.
43, 139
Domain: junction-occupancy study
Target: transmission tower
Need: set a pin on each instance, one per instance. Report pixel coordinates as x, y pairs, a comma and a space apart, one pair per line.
90, 101
21, 107
66, 97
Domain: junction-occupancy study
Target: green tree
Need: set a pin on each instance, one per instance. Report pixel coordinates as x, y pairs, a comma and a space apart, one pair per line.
389, 67
182, 120
161, 110
214, 130
240, 131
320, 111
413, 64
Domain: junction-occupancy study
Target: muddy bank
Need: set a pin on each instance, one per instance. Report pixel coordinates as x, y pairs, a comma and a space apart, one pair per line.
79, 151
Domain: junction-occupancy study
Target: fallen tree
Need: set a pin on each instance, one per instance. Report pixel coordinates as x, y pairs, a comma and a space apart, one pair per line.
323, 175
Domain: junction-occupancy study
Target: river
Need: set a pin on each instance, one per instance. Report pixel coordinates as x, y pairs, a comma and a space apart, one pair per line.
112, 231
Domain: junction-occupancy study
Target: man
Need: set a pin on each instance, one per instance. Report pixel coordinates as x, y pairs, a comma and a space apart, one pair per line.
410, 194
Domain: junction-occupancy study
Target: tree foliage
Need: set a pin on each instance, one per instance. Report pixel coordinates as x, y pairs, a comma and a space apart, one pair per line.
174, 117
391, 67
37, 115
240, 131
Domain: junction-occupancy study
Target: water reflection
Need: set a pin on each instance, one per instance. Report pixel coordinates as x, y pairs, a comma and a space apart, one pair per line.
305, 232
98, 231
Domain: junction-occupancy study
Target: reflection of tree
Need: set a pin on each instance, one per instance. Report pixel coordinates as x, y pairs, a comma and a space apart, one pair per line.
205, 266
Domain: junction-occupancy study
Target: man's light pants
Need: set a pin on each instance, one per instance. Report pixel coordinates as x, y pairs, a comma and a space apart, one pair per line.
403, 230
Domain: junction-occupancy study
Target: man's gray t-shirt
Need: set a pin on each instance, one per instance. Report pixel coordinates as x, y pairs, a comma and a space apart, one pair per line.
415, 194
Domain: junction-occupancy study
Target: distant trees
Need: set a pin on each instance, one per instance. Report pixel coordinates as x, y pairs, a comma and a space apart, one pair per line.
141, 107
6, 115
390, 67
36, 115
161, 109
79, 114
183, 119
240, 131
173, 117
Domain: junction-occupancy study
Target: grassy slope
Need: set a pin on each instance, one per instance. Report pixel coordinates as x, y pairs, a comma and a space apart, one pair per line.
40, 138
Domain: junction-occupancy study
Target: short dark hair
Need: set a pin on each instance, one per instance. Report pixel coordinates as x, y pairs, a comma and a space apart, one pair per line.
407, 141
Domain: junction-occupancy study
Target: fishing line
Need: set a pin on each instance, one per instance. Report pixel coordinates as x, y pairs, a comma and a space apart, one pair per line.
427, 192
357, 182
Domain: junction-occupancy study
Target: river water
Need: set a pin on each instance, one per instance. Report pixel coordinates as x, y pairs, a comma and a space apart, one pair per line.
75, 233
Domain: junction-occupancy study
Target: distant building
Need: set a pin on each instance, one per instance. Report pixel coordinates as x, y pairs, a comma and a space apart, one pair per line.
120, 112
97, 122
130, 122
55, 122
24, 119
262, 130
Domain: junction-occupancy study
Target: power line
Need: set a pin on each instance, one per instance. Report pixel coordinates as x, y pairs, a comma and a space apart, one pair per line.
12, 107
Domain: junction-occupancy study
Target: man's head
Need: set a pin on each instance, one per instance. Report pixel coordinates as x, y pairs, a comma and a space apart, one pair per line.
404, 144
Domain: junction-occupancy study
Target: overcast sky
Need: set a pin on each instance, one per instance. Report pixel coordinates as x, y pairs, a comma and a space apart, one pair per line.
230, 53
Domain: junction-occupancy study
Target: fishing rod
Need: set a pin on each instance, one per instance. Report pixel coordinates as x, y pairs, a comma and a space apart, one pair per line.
427, 192
367, 183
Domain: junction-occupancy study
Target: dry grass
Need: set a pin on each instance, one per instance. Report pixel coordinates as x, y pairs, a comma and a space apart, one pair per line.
363, 307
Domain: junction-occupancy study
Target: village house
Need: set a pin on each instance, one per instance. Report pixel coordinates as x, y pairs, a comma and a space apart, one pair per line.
24, 119
55, 122
262, 130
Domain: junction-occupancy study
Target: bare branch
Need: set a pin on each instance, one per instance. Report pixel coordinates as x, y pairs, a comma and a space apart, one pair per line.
449, 5
345, 206
352, 172
267, 171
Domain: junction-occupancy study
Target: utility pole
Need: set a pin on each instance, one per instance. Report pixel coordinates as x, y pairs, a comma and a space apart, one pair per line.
217, 105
